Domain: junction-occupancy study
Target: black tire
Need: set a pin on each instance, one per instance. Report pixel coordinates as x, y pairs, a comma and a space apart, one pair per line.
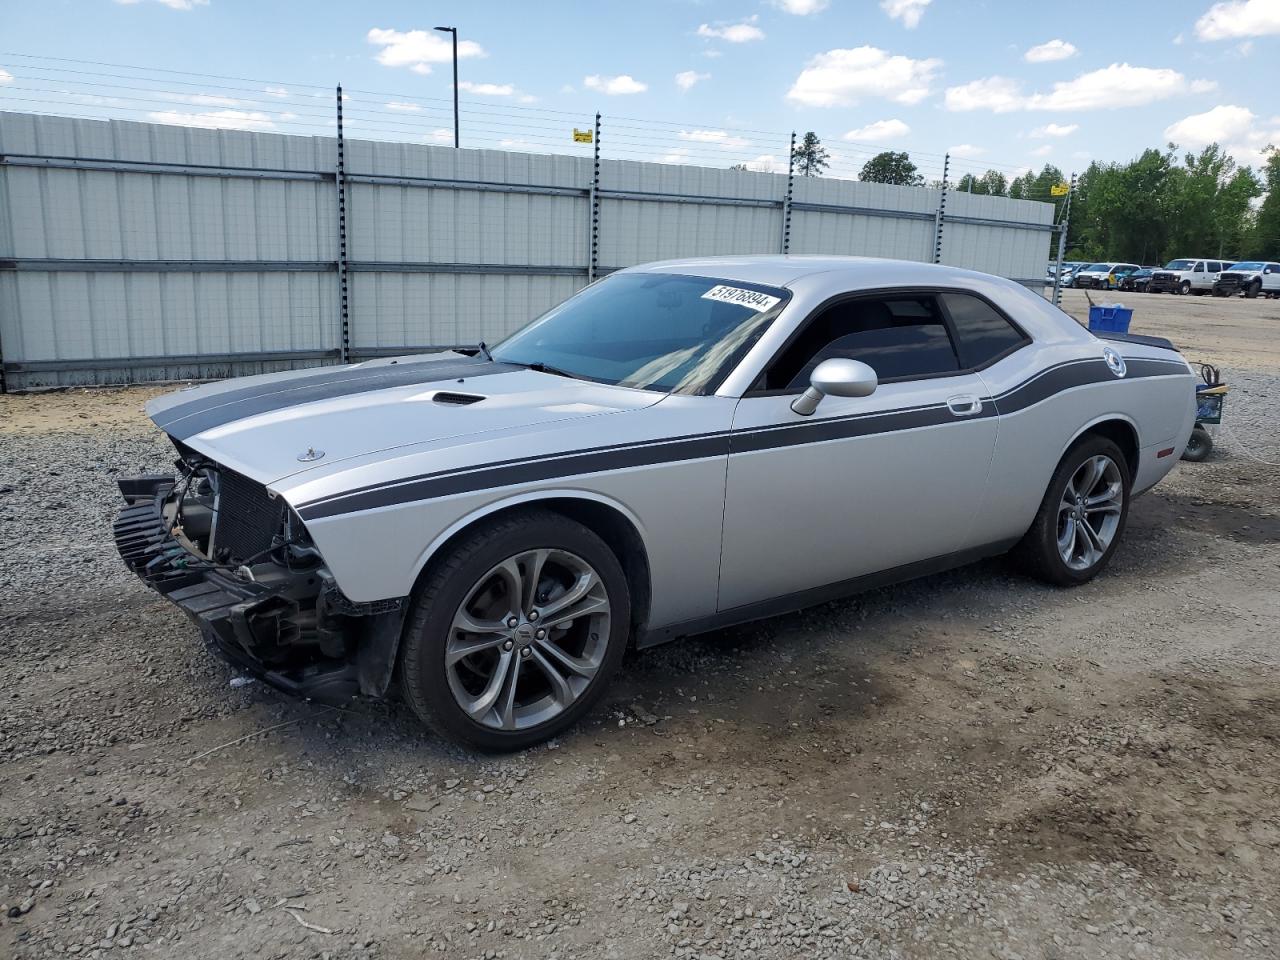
423, 675
1184, 287
1199, 446
1253, 289
1037, 551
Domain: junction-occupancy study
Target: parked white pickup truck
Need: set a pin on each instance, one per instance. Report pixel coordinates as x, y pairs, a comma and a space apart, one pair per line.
1251, 277
1187, 275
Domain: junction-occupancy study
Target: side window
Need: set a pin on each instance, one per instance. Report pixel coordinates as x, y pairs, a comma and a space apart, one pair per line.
982, 334
898, 337
1198, 268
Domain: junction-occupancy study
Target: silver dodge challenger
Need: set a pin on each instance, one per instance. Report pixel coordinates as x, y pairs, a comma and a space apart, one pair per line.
678, 447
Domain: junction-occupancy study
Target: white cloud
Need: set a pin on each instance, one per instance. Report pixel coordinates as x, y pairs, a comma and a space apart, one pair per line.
742, 32
487, 89
686, 79
999, 94
1204, 86
1043, 151
1245, 48
1239, 130
5, 76
908, 11
1055, 130
171, 4
200, 99
1050, 50
395, 106
419, 49
801, 8
1239, 19
280, 93
718, 137
879, 130
614, 86
966, 150
1119, 85
765, 163
1218, 125
841, 77
216, 119
678, 155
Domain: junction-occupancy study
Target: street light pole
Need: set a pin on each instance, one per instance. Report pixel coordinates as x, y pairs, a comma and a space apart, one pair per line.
454, 31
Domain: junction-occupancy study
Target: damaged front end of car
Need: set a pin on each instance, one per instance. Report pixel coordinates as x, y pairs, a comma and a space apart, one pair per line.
234, 557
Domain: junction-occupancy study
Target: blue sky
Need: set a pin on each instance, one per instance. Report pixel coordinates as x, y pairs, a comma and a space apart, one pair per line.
1006, 84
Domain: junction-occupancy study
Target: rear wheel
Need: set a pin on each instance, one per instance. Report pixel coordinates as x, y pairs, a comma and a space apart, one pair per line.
516, 634
1082, 516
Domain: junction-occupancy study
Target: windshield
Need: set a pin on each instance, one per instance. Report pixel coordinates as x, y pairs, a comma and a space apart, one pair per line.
1179, 265
654, 331
1100, 267
1247, 265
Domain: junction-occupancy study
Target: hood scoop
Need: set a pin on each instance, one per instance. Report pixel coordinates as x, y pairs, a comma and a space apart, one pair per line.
450, 399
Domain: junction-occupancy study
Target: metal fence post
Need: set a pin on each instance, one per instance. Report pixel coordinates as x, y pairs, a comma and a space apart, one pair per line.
940, 216
344, 346
593, 260
1064, 224
786, 203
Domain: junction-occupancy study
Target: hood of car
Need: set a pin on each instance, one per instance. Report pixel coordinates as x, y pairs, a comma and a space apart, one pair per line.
274, 426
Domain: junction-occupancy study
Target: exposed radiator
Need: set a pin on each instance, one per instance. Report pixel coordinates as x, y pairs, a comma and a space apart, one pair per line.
248, 516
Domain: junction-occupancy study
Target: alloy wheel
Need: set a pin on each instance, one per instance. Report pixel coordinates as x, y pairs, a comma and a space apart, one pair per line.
528, 639
1089, 512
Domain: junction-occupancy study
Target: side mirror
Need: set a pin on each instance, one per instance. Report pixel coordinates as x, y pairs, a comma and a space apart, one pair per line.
838, 377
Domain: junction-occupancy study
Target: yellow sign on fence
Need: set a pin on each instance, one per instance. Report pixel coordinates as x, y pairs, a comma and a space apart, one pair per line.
581, 136
1059, 190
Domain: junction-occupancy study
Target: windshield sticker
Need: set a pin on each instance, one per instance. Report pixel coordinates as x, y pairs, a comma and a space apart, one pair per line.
754, 299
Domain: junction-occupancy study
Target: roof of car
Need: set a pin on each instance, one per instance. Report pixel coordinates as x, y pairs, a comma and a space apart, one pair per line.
780, 270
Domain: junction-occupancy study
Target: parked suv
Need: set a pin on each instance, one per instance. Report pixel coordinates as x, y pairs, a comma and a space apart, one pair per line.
1187, 275
1103, 276
1252, 277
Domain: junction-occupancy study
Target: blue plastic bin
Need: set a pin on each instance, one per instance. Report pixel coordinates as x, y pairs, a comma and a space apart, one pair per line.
1112, 319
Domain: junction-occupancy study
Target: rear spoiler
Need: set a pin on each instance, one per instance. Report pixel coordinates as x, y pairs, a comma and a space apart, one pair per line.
1136, 338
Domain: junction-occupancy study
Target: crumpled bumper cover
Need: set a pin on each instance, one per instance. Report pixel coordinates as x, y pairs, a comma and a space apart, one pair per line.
237, 616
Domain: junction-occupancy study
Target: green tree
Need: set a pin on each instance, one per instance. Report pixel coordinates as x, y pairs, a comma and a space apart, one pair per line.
992, 183
891, 167
810, 156
1263, 240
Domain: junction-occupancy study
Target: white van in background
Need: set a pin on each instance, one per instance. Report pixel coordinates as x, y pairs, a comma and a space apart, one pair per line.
1187, 275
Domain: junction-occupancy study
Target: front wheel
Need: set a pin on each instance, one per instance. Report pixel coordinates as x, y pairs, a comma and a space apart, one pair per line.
1082, 516
1184, 288
516, 633
1251, 291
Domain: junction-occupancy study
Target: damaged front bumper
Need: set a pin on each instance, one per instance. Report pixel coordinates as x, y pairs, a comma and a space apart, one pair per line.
291, 629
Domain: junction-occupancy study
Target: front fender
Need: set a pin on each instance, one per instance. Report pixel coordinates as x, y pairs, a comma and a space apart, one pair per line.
527, 498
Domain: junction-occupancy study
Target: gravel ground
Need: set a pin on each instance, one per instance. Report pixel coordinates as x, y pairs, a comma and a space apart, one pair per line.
969, 765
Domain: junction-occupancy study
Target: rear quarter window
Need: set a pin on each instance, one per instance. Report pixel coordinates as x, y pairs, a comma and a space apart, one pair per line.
982, 333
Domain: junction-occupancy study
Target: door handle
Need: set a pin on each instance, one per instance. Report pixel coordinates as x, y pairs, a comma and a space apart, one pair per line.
964, 406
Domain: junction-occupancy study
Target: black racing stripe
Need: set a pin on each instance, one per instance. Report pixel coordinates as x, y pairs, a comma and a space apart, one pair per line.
1044, 384
1156, 367
823, 431
1053, 380
205, 413
443, 485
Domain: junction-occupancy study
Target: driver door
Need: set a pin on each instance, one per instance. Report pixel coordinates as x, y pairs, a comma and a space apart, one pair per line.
863, 484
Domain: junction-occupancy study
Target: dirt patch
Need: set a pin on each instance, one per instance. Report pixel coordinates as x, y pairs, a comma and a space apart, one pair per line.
968, 765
